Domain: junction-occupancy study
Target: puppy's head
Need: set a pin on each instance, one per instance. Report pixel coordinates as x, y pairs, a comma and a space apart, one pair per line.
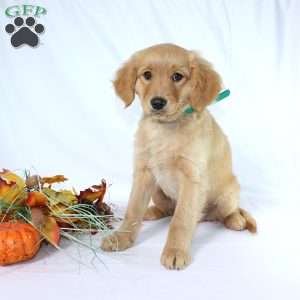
167, 79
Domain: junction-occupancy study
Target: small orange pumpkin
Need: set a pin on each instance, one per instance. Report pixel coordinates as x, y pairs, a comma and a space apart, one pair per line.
18, 242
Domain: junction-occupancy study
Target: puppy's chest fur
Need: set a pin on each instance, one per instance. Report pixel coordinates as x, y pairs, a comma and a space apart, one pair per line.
161, 146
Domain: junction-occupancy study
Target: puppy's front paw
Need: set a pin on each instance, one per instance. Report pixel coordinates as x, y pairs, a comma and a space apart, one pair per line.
173, 258
117, 241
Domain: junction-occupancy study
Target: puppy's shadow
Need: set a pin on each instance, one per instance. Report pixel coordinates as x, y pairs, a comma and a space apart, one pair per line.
152, 228
204, 234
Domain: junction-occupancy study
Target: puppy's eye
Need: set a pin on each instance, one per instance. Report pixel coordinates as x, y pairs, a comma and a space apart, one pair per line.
147, 75
177, 76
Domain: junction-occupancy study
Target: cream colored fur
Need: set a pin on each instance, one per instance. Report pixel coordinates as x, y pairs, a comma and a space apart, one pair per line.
182, 161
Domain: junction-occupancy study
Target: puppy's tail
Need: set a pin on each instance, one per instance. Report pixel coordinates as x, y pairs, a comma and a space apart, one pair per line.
250, 221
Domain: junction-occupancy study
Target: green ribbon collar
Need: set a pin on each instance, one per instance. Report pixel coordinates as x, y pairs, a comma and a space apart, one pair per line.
222, 95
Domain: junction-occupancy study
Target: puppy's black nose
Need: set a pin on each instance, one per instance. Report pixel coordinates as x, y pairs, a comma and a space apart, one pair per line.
158, 103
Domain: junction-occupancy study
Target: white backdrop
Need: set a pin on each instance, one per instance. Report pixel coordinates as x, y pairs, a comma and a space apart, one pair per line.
59, 114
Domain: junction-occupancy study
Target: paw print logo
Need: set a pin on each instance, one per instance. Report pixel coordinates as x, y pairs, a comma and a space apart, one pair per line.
24, 32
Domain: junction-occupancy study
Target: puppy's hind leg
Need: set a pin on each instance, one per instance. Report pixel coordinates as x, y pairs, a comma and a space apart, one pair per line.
162, 206
229, 212
240, 220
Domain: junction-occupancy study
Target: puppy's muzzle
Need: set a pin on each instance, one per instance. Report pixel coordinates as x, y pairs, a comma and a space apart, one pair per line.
158, 103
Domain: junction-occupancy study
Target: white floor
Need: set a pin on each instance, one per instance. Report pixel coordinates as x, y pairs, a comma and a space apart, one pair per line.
225, 265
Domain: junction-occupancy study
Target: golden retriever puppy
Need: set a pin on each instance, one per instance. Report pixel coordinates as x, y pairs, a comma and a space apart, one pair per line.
182, 160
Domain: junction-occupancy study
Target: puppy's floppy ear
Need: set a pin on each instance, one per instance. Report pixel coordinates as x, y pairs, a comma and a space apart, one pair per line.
206, 82
125, 80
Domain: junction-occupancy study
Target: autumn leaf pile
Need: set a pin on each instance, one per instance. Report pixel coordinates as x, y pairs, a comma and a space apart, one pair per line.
33, 200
